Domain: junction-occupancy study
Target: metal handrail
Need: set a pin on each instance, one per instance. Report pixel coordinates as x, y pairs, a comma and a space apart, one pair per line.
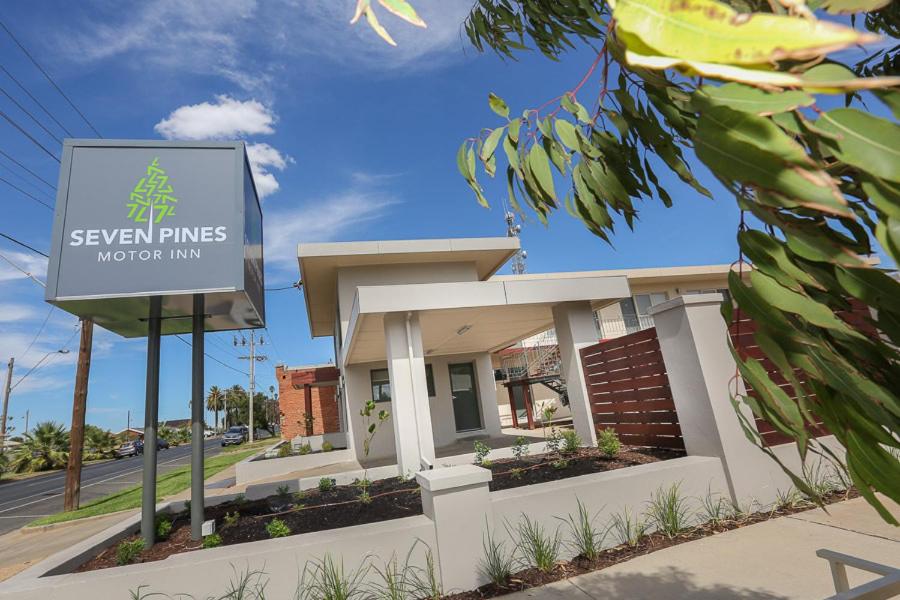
886, 586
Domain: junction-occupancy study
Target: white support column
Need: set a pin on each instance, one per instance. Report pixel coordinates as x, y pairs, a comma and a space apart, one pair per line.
411, 416
575, 329
693, 338
487, 394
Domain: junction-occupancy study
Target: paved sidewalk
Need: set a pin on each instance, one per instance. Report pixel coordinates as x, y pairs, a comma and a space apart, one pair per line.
774, 560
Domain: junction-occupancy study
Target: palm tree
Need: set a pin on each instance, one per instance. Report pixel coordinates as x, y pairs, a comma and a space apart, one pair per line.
44, 447
214, 402
98, 443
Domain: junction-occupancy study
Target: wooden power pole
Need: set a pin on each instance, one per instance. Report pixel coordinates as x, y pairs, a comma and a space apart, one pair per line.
79, 406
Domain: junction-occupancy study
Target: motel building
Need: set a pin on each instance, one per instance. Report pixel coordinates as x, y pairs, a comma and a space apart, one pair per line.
454, 352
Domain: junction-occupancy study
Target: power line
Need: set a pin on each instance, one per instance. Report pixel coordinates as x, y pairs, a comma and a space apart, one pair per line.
63, 350
289, 287
28, 135
36, 101
208, 355
36, 176
32, 196
30, 116
28, 182
21, 270
50, 79
23, 244
40, 331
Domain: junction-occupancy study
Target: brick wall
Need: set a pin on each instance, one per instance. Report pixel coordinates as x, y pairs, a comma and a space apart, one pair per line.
292, 384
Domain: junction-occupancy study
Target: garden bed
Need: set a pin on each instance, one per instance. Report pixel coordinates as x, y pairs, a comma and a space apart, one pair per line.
540, 468
531, 577
313, 510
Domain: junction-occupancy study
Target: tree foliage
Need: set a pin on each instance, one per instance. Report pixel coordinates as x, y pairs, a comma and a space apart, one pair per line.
43, 448
806, 144
98, 443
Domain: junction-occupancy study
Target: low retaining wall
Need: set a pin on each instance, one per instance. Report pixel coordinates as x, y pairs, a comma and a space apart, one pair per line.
250, 470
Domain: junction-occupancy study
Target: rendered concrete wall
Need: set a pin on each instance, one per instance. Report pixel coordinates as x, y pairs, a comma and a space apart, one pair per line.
575, 329
253, 470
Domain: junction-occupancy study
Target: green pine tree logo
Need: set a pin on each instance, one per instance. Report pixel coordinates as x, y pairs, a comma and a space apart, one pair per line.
152, 196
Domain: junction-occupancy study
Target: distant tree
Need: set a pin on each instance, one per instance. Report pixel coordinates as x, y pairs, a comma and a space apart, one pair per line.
43, 448
98, 443
238, 410
4, 463
215, 401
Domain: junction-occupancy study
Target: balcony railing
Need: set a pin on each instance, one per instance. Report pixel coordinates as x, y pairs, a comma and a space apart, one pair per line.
617, 327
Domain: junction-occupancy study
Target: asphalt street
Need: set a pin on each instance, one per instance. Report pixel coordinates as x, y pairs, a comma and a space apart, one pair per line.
25, 500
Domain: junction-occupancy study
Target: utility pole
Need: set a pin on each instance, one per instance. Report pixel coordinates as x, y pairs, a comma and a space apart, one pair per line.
72, 492
6, 390
253, 358
27, 413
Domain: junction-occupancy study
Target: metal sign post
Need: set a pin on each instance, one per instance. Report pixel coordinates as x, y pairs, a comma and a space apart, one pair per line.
197, 443
151, 415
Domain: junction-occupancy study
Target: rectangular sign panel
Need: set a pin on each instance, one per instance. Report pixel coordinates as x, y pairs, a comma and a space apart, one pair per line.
138, 219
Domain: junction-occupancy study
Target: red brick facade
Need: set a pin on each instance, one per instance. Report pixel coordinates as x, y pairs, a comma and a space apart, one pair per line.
300, 388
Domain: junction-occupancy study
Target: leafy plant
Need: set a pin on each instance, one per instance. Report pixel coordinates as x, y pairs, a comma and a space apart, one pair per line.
535, 547
714, 509
481, 452
520, 448
284, 451
43, 448
163, 528
496, 564
425, 583
364, 496
277, 528
627, 528
98, 443
789, 499
327, 447
608, 442
394, 580
326, 484
304, 449
516, 472
283, 492
230, 519
128, 551
368, 414
668, 510
240, 499
554, 439
213, 540
326, 579
560, 463
586, 540
187, 506
571, 441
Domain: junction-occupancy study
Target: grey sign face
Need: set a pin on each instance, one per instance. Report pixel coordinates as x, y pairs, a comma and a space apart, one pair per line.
142, 219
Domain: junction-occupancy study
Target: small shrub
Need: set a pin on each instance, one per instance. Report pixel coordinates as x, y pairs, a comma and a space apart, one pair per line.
497, 563
627, 528
520, 448
560, 463
230, 519
516, 473
394, 584
304, 449
277, 528
668, 511
481, 452
284, 451
789, 500
128, 551
327, 447
364, 496
537, 548
187, 506
586, 540
608, 442
326, 580
425, 581
283, 491
326, 484
714, 509
163, 528
571, 441
553, 441
213, 540
240, 499
363, 483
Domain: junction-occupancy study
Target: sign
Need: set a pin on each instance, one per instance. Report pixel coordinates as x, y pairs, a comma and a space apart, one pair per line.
138, 219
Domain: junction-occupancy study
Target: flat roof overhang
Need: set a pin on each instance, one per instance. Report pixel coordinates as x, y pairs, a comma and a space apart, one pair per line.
319, 263
466, 317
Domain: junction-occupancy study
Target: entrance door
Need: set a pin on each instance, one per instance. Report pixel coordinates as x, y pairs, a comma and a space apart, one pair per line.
465, 397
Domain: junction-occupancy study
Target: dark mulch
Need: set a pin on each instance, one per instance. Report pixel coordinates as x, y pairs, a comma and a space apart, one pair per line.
311, 511
511, 473
530, 578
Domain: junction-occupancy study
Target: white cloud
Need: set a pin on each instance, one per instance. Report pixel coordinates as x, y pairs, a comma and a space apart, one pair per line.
321, 220
263, 157
30, 263
226, 118
11, 313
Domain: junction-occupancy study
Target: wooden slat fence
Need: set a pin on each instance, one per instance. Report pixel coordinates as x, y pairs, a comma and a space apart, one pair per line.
629, 390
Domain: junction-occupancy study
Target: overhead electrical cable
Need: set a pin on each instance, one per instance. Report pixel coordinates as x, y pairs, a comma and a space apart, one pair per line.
50, 79
23, 244
50, 355
23, 271
208, 355
36, 176
39, 332
35, 100
30, 116
26, 181
28, 135
20, 190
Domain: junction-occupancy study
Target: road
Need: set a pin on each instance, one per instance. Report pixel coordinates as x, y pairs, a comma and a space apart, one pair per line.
25, 500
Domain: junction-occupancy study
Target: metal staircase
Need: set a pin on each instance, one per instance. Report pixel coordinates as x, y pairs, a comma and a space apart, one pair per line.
537, 360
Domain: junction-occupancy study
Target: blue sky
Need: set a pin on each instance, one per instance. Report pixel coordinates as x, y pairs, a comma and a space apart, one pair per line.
353, 140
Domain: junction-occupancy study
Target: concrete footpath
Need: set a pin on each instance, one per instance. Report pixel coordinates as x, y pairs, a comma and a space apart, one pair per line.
774, 560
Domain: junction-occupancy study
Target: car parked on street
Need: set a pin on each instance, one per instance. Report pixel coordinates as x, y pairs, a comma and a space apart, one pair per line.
234, 436
132, 448
162, 444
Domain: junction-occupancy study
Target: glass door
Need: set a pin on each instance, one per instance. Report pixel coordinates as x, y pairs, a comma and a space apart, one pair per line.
465, 397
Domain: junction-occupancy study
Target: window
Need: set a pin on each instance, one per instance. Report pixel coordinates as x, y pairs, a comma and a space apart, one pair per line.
643, 302
429, 379
381, 385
